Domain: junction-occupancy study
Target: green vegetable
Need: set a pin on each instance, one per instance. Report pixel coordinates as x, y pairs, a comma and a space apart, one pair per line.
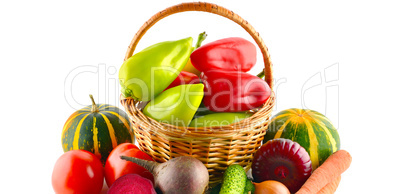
249, 188
219, 119
176, 105
234, 180
311, 129
97, 128
147, 73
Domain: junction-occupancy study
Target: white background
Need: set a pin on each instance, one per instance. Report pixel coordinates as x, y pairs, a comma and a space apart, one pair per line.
339, 58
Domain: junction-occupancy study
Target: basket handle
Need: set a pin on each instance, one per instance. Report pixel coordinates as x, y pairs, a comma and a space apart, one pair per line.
211, 8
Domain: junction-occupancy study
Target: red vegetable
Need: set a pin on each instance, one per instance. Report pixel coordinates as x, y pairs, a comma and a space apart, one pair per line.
233, 91
116, 167
77, 171
132, 183
184, 78
282, 160
229, 54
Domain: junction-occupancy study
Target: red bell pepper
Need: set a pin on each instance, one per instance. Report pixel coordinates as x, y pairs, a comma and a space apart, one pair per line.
230, 54
233, 91
184, 78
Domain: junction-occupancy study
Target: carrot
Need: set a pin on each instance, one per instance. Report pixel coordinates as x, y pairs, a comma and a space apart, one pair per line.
332, 168
331, 187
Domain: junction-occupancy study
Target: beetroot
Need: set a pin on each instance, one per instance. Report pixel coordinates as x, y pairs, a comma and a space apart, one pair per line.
183, 174
132, 183
282, 160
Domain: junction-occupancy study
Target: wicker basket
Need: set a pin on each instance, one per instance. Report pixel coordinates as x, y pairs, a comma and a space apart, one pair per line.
216, 147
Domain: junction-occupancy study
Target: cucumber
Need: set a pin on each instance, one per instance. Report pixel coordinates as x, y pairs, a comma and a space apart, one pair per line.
234, 180
249, 188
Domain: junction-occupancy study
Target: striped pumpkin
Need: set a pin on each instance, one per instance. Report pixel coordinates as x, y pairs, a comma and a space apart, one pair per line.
311, 129
97, 128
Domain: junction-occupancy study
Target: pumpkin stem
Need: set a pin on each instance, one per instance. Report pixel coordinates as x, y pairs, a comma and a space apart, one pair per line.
94, 107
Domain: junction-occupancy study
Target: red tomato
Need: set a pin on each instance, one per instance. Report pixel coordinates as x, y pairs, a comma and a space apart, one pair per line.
77, 171
115, 167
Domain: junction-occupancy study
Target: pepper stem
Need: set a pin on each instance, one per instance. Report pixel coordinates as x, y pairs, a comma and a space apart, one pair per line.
201, 37
261, 74
94, 107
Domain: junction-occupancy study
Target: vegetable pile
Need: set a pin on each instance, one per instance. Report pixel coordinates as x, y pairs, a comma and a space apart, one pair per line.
200, 86
175, 96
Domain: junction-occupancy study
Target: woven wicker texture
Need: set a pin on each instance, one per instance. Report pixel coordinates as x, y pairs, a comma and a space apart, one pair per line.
216, 147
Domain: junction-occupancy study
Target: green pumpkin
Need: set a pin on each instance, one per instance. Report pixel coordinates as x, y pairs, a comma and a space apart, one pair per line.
97, 128
311, 129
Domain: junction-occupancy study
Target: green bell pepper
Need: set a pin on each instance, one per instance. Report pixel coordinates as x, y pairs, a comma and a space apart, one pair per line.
147, 73
219, 119
176, 105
